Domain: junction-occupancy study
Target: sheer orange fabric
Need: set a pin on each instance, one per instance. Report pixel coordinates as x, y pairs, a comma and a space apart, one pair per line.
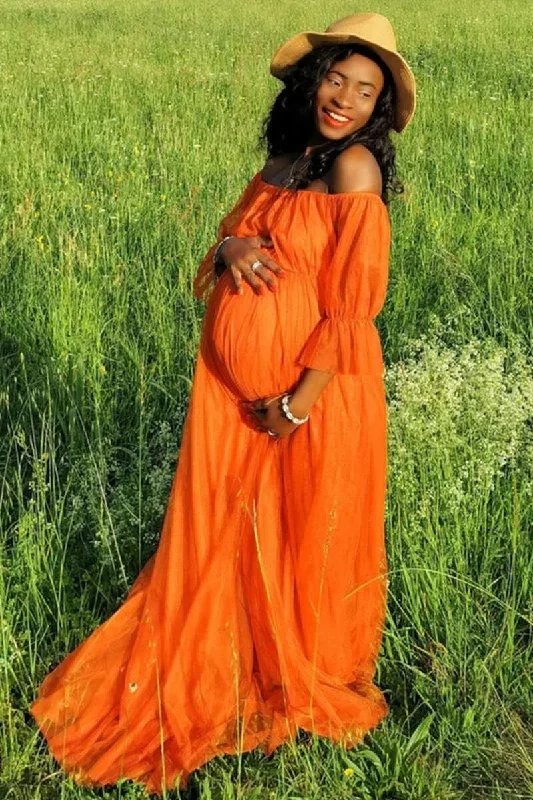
262, 610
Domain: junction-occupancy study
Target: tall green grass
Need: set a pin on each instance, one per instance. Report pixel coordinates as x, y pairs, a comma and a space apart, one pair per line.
127, 129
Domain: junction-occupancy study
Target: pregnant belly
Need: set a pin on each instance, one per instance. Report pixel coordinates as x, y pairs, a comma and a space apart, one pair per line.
252, 341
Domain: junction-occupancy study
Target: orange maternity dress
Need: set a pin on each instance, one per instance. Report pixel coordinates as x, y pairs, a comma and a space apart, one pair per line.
262, 610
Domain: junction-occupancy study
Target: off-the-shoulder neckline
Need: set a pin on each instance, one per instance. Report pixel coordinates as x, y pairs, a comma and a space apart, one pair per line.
316, 193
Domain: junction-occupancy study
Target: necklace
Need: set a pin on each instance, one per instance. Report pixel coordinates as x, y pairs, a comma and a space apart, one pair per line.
290, 180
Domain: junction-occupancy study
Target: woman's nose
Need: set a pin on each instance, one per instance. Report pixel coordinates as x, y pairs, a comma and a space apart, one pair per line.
343, 101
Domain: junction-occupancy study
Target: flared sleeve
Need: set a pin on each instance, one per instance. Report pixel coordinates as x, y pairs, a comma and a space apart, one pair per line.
204, 282
352, 285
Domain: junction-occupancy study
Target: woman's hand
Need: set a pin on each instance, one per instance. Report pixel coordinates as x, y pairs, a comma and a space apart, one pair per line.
266, 415
240, 252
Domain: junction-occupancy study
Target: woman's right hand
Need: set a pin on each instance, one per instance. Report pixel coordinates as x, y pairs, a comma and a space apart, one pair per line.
240, 252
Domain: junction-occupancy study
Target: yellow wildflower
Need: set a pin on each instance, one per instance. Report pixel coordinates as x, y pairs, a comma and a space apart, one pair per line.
348, 772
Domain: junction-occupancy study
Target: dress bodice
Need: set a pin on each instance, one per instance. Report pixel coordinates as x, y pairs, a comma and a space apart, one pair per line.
312, 232
334, 250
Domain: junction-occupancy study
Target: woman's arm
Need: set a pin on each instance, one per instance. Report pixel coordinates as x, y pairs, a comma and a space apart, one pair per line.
311, 385
355, 170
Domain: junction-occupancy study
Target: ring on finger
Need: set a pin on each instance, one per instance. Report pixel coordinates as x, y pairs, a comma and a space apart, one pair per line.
255, 266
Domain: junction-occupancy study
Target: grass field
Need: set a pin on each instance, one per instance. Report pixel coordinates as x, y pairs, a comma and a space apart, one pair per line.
127, 129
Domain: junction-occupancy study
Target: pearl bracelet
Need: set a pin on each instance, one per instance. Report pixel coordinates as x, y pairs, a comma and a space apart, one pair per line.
284, 407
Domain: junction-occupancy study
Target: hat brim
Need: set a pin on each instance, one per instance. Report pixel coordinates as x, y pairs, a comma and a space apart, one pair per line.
293, 49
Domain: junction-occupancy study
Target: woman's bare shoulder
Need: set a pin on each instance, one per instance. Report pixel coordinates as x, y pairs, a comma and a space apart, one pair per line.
275, 164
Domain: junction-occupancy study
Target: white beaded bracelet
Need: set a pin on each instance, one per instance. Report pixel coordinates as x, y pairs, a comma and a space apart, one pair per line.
286, 413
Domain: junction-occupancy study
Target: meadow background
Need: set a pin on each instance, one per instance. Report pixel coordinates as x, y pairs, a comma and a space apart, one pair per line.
127, 130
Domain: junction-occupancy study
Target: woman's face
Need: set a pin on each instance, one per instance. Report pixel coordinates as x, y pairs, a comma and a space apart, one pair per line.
350, 91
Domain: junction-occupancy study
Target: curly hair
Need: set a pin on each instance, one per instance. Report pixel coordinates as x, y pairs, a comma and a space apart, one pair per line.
290, 123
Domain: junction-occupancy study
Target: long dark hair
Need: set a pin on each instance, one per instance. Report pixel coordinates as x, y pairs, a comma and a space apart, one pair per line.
289, 123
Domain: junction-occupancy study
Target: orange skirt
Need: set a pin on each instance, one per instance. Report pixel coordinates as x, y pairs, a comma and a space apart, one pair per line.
262, 610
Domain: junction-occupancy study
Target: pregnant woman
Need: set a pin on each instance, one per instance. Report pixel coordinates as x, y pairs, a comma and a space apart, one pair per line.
262, 610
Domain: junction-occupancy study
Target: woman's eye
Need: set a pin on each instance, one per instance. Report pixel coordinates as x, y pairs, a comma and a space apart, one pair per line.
334, 80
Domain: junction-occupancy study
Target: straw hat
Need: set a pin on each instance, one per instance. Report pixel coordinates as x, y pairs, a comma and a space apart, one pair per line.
373, 30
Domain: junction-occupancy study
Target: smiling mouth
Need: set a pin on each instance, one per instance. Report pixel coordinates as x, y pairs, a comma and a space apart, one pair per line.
334, 119
336, 116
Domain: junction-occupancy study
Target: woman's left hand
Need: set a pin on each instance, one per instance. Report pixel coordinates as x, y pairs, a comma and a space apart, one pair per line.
267, 416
